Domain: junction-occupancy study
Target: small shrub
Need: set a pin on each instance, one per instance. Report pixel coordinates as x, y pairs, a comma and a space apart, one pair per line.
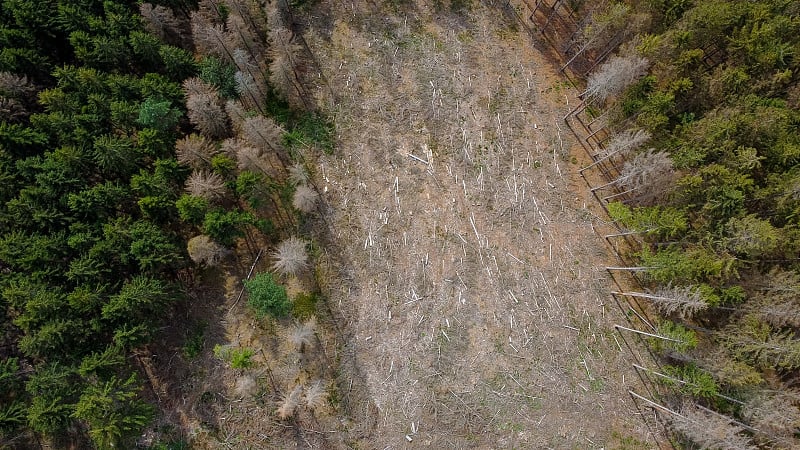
267, 298
239, 358
304, 305
311, 129
242, 358
195, 340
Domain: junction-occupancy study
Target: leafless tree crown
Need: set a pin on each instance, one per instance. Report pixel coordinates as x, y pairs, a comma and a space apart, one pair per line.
316, 396
301, 335
625, 142
305, 198
285, 55
290, 256
196, 86
162, 22
290, 403
685, 301
204, 250
195, 151
205, 111
13, 85
236, 113
614, 76
205, 184
711, 431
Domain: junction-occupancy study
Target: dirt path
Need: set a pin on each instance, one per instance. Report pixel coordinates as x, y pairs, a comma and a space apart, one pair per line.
474, 291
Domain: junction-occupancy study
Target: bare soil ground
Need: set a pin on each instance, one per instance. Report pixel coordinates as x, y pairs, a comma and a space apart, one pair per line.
466, 301
465, 266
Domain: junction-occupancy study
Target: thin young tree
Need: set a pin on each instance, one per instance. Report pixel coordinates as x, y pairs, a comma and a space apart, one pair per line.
316, 396
290, 402
685, 301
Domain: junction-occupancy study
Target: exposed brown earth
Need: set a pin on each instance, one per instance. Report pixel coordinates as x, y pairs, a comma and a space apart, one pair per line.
470, 275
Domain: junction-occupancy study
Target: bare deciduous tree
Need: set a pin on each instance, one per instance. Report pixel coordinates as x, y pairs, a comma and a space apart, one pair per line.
645, 177
196, 86
686, 301
621, 145
285, 55
778, 301
305, 198
290, 257
206, 113
162, 22
600, 29
195, 151
11, 110
775, 414
248, 157
236, 113
315, 396
614, 76
301, 335
290, 402
13, 85
242, 35
205, 184
204, 250
710, 431
208, 34
263, 133
249, 91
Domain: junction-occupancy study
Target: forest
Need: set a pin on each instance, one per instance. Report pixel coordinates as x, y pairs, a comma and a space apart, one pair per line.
139, 142
691, 113
144, 143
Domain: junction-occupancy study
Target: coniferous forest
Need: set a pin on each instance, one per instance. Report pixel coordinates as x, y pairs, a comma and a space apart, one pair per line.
691, 112
139, 142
